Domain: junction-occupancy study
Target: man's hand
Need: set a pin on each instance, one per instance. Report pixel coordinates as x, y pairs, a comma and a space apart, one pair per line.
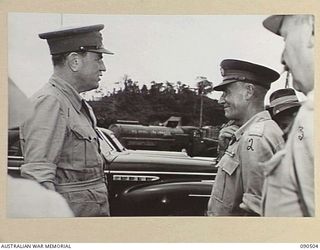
225, 135
247, 210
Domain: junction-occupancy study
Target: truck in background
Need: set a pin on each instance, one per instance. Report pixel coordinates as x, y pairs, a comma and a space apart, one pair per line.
169, 136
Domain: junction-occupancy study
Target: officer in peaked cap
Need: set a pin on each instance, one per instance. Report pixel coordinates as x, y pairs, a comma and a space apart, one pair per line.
238, 185
289, 183
297, 56
59, 140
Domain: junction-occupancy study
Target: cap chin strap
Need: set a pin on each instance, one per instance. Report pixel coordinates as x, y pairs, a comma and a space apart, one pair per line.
88, 48
243, 79
82, 49
239, 79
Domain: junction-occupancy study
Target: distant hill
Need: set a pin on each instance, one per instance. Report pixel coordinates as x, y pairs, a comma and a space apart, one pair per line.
155, 105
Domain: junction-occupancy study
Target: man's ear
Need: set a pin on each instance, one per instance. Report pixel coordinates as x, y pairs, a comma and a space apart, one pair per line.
73, 61
311, 31
249, 91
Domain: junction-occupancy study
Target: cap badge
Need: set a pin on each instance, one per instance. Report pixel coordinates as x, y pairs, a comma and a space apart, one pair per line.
222, 71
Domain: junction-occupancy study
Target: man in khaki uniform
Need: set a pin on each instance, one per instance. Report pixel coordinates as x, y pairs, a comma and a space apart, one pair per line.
238, 185
59, 141
27, 198
289, 186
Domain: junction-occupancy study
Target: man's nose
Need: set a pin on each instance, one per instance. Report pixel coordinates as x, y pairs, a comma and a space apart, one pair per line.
221, 99
103, 67
284, 62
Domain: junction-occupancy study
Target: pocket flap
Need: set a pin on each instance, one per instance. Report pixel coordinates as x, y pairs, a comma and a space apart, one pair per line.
228, 164
80, 133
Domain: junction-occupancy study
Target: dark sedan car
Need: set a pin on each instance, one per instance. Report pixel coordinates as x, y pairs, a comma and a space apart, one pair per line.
145, 183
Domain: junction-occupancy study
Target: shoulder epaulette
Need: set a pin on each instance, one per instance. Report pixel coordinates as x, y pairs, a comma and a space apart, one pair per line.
256, 129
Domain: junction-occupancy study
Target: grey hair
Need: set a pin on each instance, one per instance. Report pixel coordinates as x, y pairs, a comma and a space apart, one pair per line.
59, 59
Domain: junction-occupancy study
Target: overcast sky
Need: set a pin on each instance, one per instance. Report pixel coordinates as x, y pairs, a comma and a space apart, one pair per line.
147, 48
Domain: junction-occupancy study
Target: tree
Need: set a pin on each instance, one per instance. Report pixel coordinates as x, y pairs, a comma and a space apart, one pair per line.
204, 87
144, 90
156, 104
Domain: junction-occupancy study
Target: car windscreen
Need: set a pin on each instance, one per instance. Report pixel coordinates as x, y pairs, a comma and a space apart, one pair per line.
117, 142
111, 138
106, 147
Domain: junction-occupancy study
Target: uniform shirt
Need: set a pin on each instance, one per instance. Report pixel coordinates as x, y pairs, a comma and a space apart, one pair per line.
239, 178
60, 144
281, 196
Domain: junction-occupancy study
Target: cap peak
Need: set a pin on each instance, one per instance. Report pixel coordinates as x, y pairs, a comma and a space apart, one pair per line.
234, 70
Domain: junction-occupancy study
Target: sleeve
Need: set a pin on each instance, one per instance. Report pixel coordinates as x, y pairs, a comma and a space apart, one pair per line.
303, 153
255, 149
42, 138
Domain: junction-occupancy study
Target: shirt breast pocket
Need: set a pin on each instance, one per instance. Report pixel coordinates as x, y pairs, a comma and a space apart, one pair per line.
85, 147
225, 183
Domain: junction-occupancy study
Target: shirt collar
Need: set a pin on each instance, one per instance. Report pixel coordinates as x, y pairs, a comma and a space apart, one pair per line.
261, 116
68, 91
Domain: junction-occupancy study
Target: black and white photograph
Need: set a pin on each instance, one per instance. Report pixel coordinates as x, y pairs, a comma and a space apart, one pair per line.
161, 115
141, 116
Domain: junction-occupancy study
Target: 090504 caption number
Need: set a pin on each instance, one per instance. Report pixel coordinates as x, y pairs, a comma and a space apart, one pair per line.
310, 246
